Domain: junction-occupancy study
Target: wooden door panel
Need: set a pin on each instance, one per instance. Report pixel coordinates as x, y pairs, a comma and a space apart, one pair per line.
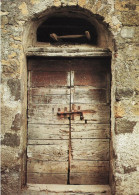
85, 78
46, 178
48, 90
51, 99
92, 108
47, 167
50, 108
47, 172
90, 119
45, 79
41, 132
47, 114
85, 95
88, 131
46, 117
94, 65
50, 65
46, 158
48, 150
48, 96
89, 166
93, 178
90, 149
48, 134
92, 114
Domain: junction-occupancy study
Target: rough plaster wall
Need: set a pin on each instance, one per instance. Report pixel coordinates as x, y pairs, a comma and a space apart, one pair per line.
122, 17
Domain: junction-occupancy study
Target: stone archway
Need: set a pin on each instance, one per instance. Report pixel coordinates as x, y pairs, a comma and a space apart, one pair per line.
105, 37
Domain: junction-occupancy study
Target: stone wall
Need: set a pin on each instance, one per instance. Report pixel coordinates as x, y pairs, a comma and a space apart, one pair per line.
122, 19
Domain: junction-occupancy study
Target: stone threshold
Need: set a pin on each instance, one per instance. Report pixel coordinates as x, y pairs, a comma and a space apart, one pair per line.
68, 52
57, 189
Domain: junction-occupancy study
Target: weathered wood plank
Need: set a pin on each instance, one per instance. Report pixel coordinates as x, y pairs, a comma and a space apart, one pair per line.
52, 120
39, 131
90, 149
44, 178
90, 119
52, 142
47, 167
50, 108
47, 114
51, 99
85, 95
94, 108
49, 142
88, 131
89, 178
80, 166
95, 65
49, 91
45, 79
49, 65
53, 150
85, 78
93, 126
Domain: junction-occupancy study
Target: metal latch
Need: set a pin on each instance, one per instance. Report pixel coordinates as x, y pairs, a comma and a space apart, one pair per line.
72, 113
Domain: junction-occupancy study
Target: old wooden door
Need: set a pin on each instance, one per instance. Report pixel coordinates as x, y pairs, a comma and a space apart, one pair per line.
68, 121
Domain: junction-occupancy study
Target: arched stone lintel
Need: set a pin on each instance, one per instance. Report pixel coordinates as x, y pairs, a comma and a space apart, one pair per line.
105, 37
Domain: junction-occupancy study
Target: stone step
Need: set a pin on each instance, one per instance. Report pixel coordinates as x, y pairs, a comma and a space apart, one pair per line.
56, 189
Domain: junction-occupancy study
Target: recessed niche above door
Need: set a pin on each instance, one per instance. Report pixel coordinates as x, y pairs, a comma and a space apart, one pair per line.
67, 30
